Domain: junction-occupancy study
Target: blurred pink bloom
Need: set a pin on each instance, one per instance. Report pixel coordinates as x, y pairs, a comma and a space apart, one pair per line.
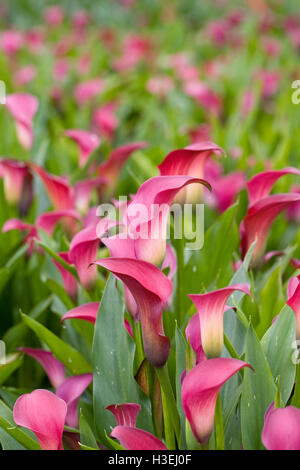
111, 168
86, 141
281, 429
247, 102
105, 120
160, 86
218, 31
23, 107
86, 91
270, 80
54, 15
11, 41
24, 75
199, 393
135, 48
35, 39
44, 414
204, 95
271, 46
293, 212
83, 191
61, 69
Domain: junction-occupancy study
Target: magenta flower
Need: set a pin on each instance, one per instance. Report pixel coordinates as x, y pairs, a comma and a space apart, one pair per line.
87, 312
11, 42
281, 429
293, 292
86, 141
199, 393
130, 437
54, 15
48, 220
23, 107
70, 391
17, 183
137, 439
86, 91
52, 366
44, 414
105, 120
83, 190
150, 289
17, 224
69, 281
61, 194
111, 168
261, 184
258, 221
83, 251
125, 414
24, 75
211, 308
189, 161
147, 214
293, 212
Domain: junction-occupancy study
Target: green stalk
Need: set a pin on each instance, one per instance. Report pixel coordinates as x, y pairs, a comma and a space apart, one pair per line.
179, 311
219, 425
296, 397
137, 335
170, 412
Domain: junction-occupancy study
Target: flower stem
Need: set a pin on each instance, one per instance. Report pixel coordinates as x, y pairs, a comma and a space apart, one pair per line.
170, 412
219, 425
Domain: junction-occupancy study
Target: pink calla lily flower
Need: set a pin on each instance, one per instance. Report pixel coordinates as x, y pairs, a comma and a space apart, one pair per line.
189, 161
261, 184
211, 307
137, 439
70, 391
110, 169
281, 429
69, 281
17, 183
125, 414
11, 42
48, 220
52, 366
83, 190
199, 392
17, 224
83, 251
150, 289
258, 221
293, 292
61, 194
86, 91
86, 312
105, 120
43, 413
86, 141
151, 204
23, 107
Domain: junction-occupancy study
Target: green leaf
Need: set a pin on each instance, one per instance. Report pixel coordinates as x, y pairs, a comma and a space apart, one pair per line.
12, 362
113, 355
65, 353
257, 394
60, 292
8, 270
270, 299
181, 345
87, 437
277, 345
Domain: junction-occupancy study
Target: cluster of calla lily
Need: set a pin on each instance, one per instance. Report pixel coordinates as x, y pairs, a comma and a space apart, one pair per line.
187, 374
